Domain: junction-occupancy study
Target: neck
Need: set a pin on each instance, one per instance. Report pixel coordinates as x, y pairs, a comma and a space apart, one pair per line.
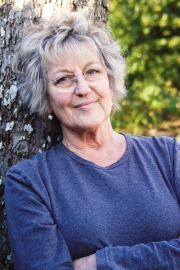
103, 146
85, 139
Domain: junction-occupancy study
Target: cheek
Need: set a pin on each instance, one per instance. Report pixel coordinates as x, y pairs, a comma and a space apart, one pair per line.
111, 93
106, 88
58, 101
107, 93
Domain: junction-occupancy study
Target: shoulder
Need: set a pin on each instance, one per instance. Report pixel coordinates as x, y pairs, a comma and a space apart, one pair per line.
164, 147
155, 142
162, 153
34, 167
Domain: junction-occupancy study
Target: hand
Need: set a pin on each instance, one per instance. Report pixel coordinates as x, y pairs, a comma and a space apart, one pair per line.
85, 263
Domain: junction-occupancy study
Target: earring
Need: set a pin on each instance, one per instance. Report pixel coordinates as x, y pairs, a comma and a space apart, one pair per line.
50, 117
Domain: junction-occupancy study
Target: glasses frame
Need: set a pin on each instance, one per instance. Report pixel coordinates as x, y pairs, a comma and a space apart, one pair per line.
92, 78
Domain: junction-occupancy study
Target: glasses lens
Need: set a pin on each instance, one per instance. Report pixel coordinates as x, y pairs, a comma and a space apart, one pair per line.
65, 81
93, 74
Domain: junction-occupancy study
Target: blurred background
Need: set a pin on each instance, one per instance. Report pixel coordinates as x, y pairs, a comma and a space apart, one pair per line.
148, 32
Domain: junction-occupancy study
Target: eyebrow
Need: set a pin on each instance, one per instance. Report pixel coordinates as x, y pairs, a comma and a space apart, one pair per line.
68, 71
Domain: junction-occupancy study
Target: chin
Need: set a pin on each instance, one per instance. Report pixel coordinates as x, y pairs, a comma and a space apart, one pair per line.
91, 126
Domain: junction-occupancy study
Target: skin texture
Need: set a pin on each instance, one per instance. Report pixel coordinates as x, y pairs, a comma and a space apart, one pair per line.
96, 96
86, 263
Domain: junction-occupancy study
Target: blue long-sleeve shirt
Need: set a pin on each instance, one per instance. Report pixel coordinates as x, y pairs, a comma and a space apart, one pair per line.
61, 207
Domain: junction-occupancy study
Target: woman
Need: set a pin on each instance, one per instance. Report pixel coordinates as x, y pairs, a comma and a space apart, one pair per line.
98, 199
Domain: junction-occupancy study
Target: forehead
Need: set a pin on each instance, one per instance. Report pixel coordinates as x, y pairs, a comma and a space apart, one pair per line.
79, 54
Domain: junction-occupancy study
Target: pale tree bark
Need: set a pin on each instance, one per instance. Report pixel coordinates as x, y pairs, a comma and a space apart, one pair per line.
21, 133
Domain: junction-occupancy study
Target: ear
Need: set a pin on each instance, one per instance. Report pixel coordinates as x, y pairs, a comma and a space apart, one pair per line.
48, 109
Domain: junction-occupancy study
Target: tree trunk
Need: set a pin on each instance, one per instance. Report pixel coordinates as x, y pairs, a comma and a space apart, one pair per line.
21, 133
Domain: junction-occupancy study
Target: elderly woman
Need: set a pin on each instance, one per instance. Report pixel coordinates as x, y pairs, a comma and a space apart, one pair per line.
98, 199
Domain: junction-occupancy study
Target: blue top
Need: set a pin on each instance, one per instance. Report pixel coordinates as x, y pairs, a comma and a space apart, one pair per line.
61, 207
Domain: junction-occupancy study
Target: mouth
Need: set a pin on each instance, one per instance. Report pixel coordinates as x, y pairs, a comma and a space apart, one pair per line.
85, 105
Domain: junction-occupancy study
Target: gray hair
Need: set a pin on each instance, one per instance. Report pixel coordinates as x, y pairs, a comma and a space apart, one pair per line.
47, 41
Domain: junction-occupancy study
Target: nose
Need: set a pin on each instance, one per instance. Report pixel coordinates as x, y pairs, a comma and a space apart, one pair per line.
82, 88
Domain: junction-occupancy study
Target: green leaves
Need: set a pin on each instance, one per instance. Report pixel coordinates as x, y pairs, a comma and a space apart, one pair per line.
149, 35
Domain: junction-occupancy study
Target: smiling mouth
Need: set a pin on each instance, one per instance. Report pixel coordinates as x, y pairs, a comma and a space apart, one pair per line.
85, 105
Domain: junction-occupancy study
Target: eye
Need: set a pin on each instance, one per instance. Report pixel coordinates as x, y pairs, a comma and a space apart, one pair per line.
93, 74
63, 80
92, 71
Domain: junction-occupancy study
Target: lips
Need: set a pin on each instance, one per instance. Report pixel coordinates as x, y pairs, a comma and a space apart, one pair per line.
85, 104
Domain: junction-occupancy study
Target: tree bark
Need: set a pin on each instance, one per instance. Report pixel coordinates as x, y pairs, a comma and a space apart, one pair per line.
22, 134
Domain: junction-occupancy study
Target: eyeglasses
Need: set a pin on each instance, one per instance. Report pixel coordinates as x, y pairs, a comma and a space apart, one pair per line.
67, 81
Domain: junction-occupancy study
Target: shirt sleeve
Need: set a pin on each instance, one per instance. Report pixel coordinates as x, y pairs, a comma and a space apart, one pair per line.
163, 255
35, 239
176, 170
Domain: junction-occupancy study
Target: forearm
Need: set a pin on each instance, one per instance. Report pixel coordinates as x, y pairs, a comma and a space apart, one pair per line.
85, 263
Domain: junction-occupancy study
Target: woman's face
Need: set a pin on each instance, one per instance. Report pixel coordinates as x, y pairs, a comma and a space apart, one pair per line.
83, 104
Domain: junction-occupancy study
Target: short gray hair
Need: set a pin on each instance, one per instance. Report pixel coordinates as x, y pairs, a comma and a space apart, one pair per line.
69, 30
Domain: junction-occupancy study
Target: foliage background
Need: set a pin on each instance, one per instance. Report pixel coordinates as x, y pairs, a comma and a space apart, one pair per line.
149, 36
